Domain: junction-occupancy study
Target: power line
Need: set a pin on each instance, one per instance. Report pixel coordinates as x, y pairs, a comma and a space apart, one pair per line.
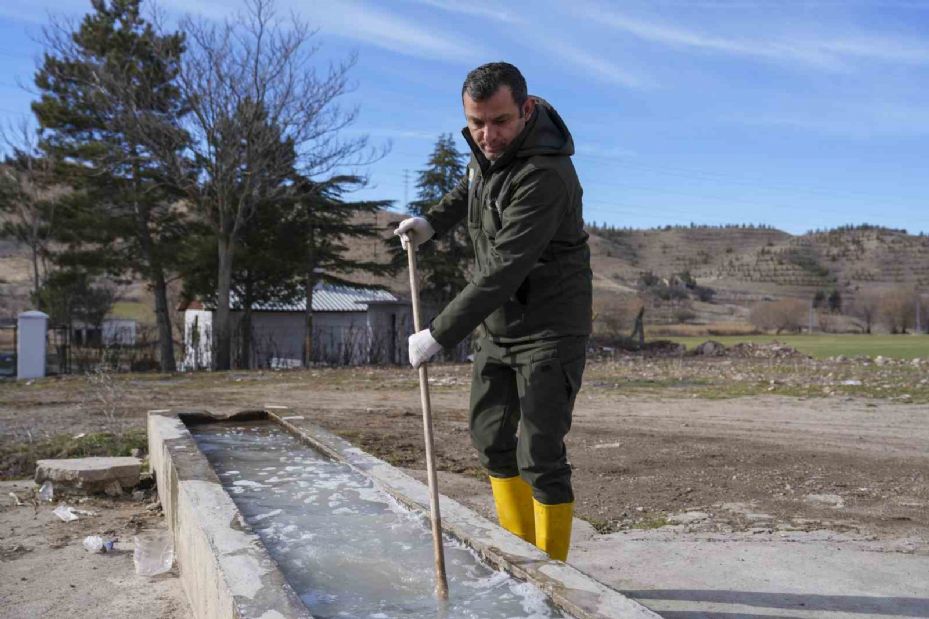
406, 189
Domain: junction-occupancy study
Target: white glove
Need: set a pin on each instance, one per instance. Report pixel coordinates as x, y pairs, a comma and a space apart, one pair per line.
417, 228
422, 347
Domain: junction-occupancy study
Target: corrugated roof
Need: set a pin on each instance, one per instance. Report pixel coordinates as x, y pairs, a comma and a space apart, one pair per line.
326, 298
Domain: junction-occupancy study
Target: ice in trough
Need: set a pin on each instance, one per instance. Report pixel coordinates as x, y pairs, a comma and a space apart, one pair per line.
345, 546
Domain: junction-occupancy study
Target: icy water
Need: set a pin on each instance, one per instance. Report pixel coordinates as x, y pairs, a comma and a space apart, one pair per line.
346, 547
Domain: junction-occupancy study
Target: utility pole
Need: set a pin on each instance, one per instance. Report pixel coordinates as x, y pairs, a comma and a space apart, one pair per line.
918, 325
810, 329
406, 189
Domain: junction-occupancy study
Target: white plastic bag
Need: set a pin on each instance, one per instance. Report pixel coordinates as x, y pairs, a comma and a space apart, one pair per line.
65, 512
47, 491
154, 553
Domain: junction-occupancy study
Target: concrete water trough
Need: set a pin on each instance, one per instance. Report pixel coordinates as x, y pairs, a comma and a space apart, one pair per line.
253, 549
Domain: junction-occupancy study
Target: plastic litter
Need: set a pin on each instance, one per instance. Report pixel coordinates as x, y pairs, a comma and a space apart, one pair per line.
84, 512
95, 543
154, 553
47, 491
66, 513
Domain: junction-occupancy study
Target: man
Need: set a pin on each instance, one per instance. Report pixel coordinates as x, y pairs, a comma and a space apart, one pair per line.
530, 295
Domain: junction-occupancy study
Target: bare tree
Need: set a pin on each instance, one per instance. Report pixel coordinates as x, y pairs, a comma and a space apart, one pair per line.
780, 315
866, 308
613, 316
898, 309
27, 195
259, 111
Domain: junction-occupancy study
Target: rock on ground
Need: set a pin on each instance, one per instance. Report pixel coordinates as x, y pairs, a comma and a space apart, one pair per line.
89, 475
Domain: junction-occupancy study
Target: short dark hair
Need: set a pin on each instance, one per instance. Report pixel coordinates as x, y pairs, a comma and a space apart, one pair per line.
484, 81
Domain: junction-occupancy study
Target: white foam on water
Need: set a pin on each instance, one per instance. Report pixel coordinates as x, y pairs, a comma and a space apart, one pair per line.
248, 483
348, 548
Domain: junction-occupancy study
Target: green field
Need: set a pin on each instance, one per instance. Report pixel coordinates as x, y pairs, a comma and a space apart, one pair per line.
133, 310
823, 346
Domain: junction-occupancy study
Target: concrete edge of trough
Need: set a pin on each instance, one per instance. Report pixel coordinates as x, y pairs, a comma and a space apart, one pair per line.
577, 593
225, 569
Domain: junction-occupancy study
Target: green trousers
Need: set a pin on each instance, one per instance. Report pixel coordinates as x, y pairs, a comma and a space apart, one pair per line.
522, 397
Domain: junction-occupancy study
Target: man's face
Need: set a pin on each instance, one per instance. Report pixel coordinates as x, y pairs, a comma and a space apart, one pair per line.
496, 121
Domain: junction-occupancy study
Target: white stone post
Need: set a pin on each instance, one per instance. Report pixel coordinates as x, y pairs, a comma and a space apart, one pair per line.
30, 345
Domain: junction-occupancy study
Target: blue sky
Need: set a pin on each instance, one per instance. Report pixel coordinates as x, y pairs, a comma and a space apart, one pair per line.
799, 115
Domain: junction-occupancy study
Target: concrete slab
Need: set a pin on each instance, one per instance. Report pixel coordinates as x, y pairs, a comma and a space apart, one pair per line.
795, 574
89, 475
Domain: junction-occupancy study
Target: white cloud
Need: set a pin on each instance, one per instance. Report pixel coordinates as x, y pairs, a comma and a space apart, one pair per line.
388, 31
386, 132
859, 119
822, 52
496, 12
598, 66
607, 152
354, 20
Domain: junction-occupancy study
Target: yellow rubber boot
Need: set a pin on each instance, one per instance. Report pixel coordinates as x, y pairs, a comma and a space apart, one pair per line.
553, 528
513, 498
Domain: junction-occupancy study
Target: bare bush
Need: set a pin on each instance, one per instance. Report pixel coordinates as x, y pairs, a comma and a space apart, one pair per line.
780, 315
613, 317
866, 308
829, 322
104, 395
898, 309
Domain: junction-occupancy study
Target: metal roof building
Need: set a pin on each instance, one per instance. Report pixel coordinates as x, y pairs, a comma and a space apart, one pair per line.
327, 298
350, 325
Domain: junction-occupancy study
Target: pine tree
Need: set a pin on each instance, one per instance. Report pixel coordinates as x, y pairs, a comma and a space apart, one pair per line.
443, 264
266, 269
112, 71
324, 221
267, 62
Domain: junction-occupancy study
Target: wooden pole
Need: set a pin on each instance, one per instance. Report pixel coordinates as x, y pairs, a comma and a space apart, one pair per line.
441, 583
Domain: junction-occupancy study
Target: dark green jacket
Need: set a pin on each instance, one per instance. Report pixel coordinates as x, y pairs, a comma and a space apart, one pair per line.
532, 276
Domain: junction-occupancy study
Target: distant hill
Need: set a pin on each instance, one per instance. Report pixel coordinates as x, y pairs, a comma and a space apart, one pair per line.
749, 261
744, 264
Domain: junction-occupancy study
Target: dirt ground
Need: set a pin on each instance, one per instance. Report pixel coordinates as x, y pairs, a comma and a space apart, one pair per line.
692, 445
641, 451
48, 573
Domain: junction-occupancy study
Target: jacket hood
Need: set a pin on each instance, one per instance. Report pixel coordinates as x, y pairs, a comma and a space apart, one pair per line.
544, 134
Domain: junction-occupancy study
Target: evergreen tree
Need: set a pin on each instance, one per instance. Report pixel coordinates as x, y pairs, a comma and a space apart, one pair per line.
266, 270
324, 222
248, 81
443, 264
69, 294
114, 71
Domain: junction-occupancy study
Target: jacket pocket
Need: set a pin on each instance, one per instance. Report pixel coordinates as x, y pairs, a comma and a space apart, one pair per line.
490, 219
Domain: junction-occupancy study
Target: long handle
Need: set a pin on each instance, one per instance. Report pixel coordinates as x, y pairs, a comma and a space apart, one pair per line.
441, 583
